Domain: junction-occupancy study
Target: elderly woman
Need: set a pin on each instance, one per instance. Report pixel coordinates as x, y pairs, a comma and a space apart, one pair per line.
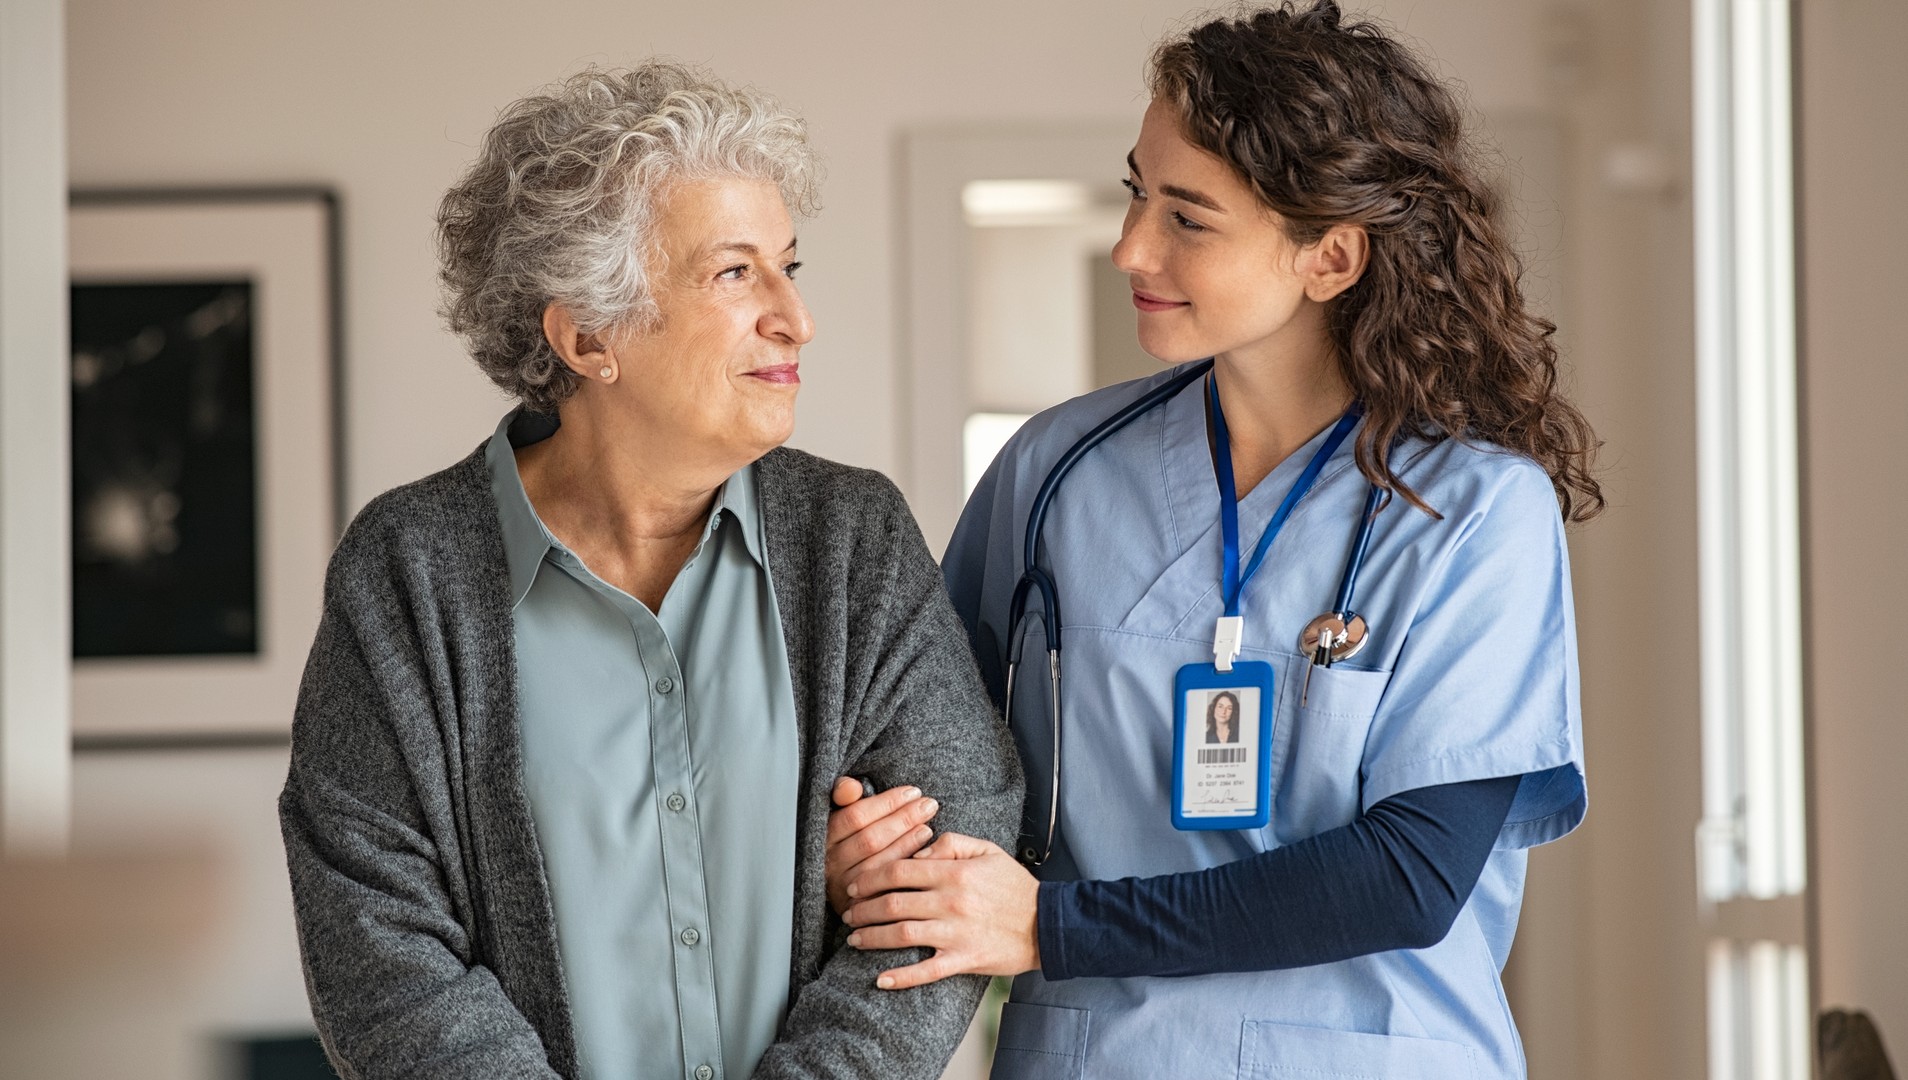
561, 766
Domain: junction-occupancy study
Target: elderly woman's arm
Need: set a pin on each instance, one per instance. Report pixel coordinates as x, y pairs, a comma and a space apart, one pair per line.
389, 964
923, 720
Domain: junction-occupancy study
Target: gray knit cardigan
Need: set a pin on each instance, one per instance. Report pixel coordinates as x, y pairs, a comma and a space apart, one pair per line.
423, 913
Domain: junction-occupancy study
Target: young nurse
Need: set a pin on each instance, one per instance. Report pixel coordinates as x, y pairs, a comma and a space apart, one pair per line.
1335, 893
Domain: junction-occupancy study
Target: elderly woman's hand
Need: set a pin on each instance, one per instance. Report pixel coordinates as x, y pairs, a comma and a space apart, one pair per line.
868, 832
966, 899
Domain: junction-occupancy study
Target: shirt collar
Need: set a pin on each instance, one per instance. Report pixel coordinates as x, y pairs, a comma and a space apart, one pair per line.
738, 502
527, 541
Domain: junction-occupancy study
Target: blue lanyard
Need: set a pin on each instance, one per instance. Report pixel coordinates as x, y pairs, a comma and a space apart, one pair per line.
1235, 582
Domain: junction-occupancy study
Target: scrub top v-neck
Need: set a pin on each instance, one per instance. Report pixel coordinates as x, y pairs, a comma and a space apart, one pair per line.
1470, 673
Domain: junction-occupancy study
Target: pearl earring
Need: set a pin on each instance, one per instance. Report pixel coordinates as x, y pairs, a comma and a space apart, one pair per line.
606, 372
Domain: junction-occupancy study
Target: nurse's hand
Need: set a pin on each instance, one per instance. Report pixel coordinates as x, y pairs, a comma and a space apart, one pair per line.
870, 832
966, 899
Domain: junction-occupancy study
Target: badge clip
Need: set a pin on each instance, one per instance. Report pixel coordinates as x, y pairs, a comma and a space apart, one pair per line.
1226, 640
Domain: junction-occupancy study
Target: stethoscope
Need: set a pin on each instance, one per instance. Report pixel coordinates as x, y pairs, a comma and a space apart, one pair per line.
1335, 635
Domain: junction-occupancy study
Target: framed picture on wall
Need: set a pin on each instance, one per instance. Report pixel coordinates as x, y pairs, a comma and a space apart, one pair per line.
206, 456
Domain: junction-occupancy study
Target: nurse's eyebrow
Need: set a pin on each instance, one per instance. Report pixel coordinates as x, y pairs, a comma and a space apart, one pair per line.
1191, 196
1177, 192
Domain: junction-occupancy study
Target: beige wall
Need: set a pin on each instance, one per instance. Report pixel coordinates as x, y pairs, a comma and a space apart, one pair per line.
146, 993
1854, 258
386, 100
1608, 974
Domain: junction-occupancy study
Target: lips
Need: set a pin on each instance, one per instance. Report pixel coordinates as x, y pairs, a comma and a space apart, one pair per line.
1148, 302
780, 374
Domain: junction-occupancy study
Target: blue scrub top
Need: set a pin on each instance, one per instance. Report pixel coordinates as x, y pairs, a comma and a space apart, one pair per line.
1470, 672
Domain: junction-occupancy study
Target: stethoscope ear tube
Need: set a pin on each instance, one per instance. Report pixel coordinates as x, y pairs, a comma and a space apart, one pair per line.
1036, 579
1030, 854
1340, 633
1356, 561
1037, 516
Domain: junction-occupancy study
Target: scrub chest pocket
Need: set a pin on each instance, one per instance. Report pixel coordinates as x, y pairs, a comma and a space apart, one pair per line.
1319, 748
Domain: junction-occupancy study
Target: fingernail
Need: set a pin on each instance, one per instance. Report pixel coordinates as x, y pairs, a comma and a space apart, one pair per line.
854, 890
914, 793
929, 806
923, 833
855, 940
885, 982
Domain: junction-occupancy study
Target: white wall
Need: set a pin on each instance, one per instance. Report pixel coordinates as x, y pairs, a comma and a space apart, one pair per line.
386, 101
1031, 304
1850, 96
34, 692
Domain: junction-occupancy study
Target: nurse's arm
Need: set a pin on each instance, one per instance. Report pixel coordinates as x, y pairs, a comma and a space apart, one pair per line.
1395, 878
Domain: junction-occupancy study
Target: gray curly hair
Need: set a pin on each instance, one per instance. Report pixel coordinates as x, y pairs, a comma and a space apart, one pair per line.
560, 205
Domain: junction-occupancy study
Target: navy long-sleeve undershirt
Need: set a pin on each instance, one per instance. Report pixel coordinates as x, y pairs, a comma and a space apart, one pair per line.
1395, 878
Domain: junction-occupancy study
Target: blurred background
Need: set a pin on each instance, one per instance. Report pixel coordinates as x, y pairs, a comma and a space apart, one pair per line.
1705, 192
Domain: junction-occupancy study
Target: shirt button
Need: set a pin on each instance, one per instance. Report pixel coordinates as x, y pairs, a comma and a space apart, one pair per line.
675, 802
691, 936
704, 1072
665, 685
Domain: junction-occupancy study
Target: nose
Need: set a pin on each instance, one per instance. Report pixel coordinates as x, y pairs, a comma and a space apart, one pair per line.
787, 319
1134, 253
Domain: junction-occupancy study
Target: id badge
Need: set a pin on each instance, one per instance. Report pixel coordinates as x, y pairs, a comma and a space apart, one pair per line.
1222, 746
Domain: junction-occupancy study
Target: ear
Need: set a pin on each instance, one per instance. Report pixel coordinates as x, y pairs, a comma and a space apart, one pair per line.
1335, 261
584, 354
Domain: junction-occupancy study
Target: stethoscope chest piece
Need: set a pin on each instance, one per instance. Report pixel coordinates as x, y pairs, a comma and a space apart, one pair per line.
1327, 639
1333, 636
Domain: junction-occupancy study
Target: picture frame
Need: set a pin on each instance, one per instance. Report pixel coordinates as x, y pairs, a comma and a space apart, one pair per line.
208, 457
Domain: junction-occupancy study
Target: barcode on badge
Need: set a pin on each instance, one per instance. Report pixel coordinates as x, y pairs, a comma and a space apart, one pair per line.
1225, 755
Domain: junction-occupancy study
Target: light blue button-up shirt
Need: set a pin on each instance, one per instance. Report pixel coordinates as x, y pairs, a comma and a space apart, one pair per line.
661, 765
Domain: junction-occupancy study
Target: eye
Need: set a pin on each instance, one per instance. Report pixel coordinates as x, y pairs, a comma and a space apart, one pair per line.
735, 273
790, 269
1187, 223
1132, 188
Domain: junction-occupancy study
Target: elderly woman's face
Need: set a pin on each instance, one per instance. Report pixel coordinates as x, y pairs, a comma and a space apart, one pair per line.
720, 372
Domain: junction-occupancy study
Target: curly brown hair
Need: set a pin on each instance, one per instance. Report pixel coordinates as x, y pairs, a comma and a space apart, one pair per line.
1332, 122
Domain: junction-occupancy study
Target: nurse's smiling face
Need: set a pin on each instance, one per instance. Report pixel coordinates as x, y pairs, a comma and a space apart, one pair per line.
1212, 270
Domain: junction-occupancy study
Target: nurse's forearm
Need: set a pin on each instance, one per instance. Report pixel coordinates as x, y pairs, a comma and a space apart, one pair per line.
1396, 878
